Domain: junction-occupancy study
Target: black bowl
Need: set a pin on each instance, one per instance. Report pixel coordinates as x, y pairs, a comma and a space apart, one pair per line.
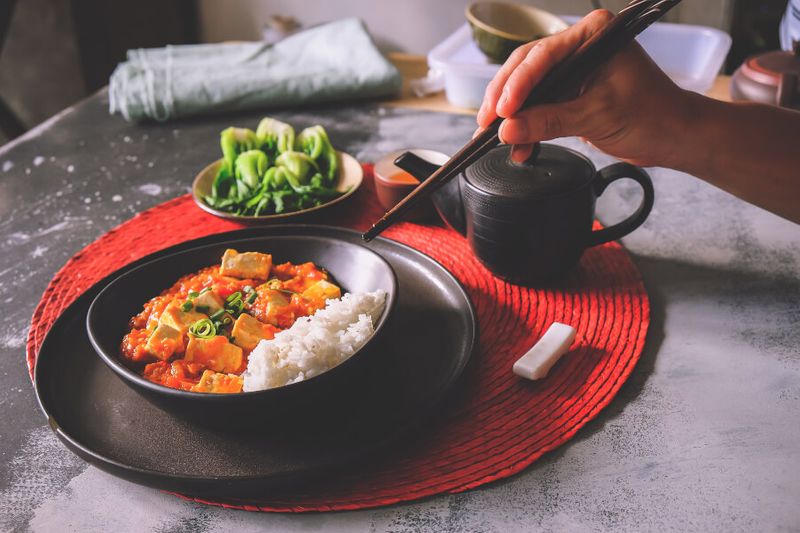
354, 267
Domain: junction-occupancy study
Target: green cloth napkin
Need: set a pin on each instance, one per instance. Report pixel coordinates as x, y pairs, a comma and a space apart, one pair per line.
334, 61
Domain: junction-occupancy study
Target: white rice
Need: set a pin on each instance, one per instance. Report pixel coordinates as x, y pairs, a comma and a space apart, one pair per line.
315, 344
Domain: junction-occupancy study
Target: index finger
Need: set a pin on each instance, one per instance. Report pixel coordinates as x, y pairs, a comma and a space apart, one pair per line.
486, 114
542, 57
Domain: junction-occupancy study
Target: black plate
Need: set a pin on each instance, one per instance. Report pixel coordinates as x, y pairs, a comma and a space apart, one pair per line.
353, 266
432, 332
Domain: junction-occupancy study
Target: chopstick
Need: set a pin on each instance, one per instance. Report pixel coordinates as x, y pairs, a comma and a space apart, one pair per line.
564, 77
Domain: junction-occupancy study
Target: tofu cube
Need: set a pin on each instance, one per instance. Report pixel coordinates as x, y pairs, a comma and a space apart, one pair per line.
276, 300
247, 265
248, 331
215, 353
218, 382
321, 291
176, 318
164, 342
210, 300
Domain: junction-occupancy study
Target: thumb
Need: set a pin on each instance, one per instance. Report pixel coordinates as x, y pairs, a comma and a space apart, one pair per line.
544, 122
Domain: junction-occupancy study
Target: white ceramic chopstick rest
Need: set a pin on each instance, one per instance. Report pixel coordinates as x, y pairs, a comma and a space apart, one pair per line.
540, 359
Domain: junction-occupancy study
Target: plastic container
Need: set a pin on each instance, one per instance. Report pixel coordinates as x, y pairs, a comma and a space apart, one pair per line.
691, 55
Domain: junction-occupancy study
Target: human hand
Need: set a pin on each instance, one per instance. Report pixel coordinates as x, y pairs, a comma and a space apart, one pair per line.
629, 108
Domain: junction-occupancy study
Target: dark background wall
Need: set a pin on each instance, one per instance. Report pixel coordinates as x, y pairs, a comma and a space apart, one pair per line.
39, 63
56, 52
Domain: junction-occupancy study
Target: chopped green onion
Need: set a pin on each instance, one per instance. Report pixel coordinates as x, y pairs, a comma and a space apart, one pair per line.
234, 303
226, 320
193, 294
203, 329
219, 314
202, 309
234, 297
186, 306
251, 297
207, 289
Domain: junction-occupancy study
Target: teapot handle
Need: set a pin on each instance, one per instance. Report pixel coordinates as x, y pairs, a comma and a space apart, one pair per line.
613, 173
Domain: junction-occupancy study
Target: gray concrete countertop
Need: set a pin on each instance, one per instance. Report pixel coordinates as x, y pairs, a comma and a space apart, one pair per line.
704, 436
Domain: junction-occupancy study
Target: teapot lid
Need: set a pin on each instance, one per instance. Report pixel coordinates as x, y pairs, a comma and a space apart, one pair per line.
554, 170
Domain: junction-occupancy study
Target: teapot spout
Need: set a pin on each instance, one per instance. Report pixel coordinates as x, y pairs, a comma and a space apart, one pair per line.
415, 165
446, 199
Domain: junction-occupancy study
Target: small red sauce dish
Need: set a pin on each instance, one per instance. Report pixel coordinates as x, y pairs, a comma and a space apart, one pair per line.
392, 183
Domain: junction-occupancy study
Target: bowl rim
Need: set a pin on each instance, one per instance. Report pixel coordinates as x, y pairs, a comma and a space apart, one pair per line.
211, 167
134, 379
473, 19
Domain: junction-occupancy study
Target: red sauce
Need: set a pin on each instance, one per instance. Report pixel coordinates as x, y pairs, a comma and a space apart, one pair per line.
133, 345
177, 374
403, 177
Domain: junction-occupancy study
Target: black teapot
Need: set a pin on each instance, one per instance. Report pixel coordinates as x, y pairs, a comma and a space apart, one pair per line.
530, 222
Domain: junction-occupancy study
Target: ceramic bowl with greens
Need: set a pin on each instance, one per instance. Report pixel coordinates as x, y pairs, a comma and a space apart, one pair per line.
273, 173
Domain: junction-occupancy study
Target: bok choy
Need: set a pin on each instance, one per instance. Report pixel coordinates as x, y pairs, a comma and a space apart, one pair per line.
272, 171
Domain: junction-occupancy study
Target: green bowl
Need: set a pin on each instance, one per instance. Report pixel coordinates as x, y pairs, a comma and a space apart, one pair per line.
499, 27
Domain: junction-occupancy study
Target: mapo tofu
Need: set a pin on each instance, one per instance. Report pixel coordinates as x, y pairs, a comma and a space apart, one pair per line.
198, 334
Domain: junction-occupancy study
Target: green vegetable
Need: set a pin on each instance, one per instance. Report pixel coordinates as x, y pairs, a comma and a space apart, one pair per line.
296, 167
186, 306
280, 206
223, 184
233, 297
203, 329
269, 171
234, 304
234, 141
314, 142
250, 166
275, 136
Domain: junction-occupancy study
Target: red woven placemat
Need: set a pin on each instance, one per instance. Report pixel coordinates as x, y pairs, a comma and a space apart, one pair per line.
500, 424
